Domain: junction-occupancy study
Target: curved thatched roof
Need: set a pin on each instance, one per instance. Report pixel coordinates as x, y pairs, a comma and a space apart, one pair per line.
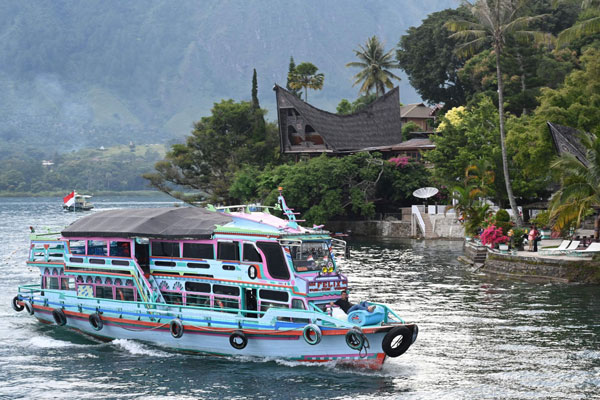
376, 125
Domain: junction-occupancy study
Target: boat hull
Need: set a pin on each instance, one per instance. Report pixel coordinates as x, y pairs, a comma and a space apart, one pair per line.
272, 344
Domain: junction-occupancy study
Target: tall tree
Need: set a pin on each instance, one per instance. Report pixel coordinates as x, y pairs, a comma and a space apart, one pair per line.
429, 44
305, 76
291, 70
375, 64
255, 104
589, 23
497, 21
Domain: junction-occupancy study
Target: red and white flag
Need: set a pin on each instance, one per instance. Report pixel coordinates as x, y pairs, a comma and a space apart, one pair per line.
69, 199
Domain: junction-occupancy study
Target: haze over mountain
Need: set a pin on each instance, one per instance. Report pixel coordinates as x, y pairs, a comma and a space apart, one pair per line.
91, 73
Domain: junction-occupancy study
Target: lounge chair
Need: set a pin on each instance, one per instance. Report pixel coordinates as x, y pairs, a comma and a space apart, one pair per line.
572, 247
593, 248
556, 250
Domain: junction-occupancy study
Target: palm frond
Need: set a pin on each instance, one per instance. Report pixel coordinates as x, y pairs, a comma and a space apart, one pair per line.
584, 28
470, 48
462, 25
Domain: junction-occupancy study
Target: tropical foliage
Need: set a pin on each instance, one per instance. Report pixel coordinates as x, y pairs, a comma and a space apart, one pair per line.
305, 76
375, 66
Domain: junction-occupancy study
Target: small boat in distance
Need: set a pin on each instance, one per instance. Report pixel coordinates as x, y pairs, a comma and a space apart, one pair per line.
77, 202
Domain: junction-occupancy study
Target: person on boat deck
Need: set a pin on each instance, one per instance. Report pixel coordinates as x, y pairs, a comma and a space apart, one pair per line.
348, 307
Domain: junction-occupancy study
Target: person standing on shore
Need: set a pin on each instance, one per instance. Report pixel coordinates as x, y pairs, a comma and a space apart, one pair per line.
532, 239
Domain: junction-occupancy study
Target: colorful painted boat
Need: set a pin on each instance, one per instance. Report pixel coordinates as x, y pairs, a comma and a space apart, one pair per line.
232, 281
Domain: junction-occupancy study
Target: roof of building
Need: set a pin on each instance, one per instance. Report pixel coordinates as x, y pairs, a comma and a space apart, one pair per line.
412, 144
566, 140
378, 124
168, 223
417, 110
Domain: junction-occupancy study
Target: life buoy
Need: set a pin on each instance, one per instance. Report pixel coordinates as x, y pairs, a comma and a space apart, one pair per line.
355, 339
252, 272
176, 328
397, 341
238, 340
59, 316
312, 334
96, 321
28, 307
15, 304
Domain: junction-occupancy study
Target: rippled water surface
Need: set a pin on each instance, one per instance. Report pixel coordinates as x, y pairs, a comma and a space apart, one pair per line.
479, 338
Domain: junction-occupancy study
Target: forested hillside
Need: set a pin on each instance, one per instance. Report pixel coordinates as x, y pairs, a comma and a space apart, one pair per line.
77, 74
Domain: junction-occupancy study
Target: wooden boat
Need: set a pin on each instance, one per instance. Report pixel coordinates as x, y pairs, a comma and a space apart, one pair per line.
230, 281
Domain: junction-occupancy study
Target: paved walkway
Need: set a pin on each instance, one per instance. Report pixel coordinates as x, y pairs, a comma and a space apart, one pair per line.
549, 243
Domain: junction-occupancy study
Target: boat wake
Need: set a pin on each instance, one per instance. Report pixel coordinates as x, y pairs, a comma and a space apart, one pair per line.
137, 348
44, 342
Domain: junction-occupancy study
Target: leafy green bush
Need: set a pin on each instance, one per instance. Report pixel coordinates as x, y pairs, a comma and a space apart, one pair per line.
542, 219
502, 221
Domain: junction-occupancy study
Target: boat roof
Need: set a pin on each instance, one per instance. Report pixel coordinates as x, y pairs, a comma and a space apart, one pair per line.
165, 223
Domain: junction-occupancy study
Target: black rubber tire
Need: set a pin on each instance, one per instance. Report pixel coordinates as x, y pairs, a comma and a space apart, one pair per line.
176, 328
16, 306
312, 334
238, 340
29, 307
96, 321
355, 339
59, 316
397, 341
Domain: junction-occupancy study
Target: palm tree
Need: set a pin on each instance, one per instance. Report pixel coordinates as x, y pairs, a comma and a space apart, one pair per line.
305, 76
588, 26
498, 20
375, 64
579, 194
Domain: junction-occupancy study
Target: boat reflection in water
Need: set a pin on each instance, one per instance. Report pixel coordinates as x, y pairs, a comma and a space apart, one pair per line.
229, 281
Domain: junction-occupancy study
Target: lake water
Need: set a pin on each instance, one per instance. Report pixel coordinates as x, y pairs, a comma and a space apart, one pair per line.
479, 338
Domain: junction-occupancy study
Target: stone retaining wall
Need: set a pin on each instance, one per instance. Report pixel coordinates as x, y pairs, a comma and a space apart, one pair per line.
542, 270
400, 229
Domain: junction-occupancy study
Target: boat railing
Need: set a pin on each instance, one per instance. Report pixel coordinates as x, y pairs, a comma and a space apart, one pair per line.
153, 310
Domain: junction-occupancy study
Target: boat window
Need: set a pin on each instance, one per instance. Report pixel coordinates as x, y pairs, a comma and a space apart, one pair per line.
197, 287
67, 283
205, 251
275, 261
265, 305
173, 297
273, 295
228, 251
77, 246
311, 256
165, 249
124, 294
193, 299
97, 248
298, 304
120, 249
227, 302
104, 292
227, 290
51, 283
250, 253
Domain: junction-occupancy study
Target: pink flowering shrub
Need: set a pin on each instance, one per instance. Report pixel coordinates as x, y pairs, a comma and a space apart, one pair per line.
493, 235
399, 161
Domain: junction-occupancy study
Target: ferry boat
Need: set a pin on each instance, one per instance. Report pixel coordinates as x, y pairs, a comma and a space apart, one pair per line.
229, 281
77, 202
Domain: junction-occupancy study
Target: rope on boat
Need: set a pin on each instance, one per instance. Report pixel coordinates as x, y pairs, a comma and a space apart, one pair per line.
142, 329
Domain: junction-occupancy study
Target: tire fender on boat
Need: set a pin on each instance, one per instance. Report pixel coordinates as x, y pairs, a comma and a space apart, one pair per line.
355, 339
312, 334
398, 340
238, 340
176, 328
96, 321
28, 307
16, 306
59, 316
